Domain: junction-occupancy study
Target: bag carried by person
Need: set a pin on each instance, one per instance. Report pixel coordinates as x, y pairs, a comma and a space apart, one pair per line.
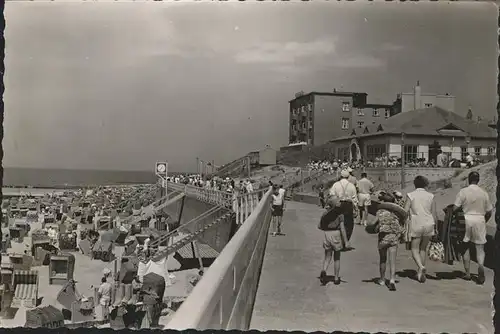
373, 228
331, 219
436, 251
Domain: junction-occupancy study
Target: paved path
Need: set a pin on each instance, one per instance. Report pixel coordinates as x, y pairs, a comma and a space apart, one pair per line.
290, 297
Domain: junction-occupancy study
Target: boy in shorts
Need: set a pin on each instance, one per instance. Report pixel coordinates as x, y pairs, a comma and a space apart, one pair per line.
335, 234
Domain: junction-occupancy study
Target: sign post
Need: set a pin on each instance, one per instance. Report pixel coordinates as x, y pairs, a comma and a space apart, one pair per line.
161, 171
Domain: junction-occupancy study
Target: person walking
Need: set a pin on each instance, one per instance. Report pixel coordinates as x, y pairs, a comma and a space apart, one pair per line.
423, 216
477, 208
365, 189
321, 194
276, 211
345, 192
282, 194
351, 177
390, 229
334, 242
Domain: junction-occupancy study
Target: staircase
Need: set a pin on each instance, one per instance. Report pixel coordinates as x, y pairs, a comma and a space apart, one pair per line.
191, 231
156, 206
233, 168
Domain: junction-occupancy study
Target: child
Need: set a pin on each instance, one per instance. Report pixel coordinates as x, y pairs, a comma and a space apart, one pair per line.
276, 210
335, 235
322, 201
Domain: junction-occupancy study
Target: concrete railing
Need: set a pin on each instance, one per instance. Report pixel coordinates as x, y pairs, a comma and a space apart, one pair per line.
224, 297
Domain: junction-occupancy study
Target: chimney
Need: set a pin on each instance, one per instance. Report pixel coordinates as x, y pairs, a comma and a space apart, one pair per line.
417, 96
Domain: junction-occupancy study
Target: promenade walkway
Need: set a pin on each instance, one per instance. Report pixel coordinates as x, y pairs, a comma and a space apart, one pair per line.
290, 297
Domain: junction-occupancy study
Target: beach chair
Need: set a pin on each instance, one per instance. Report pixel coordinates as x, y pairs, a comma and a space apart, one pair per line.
25, 286
61, 268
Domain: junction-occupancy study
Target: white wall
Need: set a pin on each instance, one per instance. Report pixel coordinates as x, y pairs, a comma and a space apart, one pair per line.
394, 150
423, 152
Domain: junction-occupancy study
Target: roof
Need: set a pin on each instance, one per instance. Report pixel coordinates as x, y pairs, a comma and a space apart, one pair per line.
346, 94
377, 105
427, 122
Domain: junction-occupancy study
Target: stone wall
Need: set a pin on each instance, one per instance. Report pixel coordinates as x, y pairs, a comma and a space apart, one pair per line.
393, 175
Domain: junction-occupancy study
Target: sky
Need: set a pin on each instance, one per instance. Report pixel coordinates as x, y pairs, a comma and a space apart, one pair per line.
114, 85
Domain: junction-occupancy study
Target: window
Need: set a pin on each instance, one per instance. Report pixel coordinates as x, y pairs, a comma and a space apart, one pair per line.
463, 151
376, 113
411, 153
491, 150
346, 106
387, 113
361, 112
343, 153
428, 105
375, 151
477, 150
360, 124
310, 107
345, 123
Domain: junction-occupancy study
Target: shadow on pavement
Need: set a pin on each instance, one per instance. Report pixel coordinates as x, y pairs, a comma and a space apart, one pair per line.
447, 275
375, 280
191, 263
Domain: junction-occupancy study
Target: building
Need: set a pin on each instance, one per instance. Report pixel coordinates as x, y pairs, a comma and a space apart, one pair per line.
315, 118
417, 100
265, 157
369, 114
424, 132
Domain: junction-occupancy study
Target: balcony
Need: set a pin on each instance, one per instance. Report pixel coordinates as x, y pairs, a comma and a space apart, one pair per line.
295, 116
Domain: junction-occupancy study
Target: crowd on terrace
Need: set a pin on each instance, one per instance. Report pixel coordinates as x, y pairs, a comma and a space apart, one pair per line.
386, 160
214, 183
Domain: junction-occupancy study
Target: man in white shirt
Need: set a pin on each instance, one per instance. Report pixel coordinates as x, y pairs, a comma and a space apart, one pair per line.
249, 186
282, 192
365, 188
441, 159
352, 178
422, 208
346, 193
277, 211
477, 209
470, 160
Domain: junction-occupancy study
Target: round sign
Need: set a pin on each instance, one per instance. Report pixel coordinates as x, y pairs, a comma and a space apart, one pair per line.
161, 168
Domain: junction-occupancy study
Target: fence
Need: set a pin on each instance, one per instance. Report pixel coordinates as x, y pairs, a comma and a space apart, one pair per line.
216, 197
224, 298
413, 158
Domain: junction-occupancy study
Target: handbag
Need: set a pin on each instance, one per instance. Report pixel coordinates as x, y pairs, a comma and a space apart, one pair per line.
436, 251
372, 228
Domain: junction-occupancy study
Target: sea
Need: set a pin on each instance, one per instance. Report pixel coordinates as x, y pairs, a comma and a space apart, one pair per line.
67, 178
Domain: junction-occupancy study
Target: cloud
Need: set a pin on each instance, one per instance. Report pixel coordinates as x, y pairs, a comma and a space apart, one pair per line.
289, 52
357, 61
391, 47
295, 58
